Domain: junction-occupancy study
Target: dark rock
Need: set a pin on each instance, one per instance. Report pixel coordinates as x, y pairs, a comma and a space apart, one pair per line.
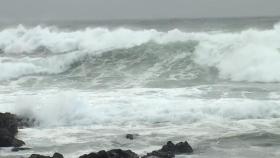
118, 153
10, 142
180, 148
93, 155
168, 147
183, 148
25, 122
6, 139
16, 149
38, 156
170, 150
9, 122
5, 132
129, 136
8, 131
17, 143
160, 154
55, 155
115, 153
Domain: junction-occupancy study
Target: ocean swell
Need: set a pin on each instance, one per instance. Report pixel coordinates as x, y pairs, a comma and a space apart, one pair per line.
250, 55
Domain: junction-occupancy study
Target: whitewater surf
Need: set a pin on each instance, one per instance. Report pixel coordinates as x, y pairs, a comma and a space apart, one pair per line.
89, 86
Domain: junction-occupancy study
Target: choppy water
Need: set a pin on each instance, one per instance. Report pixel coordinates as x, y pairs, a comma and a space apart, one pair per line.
213, 82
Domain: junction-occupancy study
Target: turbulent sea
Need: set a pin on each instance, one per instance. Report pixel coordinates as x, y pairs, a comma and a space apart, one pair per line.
212, 82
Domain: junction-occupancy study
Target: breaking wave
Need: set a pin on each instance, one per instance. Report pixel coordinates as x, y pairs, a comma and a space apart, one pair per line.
127, 107
124, 54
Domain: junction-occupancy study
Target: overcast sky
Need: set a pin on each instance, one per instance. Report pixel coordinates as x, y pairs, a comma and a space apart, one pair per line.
135, 9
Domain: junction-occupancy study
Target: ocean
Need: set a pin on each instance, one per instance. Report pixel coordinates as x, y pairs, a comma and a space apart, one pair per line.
211, 82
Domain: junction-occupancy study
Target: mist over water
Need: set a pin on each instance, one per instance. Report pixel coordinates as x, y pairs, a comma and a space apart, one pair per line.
214, 80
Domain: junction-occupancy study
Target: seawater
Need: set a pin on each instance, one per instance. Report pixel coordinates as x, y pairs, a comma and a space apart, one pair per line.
212, 82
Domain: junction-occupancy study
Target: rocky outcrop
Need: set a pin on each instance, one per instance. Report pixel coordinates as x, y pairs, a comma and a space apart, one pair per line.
55, 155
170, 150
167, 151
116, 153
8, 131
9, 122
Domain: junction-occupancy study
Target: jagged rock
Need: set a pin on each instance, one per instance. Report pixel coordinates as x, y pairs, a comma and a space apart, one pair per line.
115, 153
170, 150
8, 131
9, 121
183, 148
180, 148
55, 155
9, 140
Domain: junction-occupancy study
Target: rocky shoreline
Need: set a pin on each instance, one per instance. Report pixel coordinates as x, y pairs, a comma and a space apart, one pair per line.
9, 124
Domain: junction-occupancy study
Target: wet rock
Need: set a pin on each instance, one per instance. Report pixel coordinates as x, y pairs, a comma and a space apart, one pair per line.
160, 154
55, 155
16, 149
8, 140
131, 136
180, 148
9, 121
17, 143
170, 150
115, 153
8, 131
183, 148
38, 156
24, 122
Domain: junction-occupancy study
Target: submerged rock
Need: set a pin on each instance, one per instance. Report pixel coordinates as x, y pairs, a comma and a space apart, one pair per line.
170, 150
55, 155
115, 153
8, 131
131, 136
16, 149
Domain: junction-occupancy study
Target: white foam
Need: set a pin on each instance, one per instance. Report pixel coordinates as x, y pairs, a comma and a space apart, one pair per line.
139, 107
250, 55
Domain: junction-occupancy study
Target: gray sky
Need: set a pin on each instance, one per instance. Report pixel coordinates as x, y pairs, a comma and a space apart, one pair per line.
135, 9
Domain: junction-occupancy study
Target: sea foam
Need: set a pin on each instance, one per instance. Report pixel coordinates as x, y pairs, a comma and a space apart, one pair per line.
250, 55
128, 108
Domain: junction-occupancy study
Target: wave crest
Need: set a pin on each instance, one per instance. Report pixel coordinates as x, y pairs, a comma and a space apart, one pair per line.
251, 55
